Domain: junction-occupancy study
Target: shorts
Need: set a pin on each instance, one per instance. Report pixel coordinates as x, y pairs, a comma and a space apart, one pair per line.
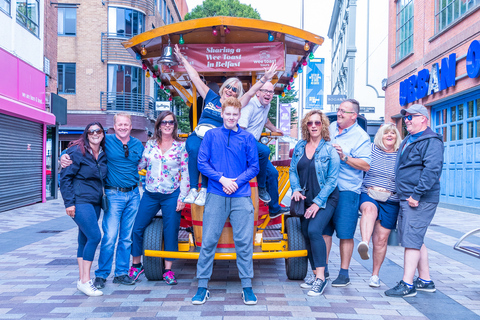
387, 211
413, 223
345, 217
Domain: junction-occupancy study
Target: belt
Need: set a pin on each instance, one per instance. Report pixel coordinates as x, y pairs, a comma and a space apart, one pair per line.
121, 189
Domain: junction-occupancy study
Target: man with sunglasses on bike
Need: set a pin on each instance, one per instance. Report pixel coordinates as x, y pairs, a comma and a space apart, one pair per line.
123, 155
417, 180
253, 119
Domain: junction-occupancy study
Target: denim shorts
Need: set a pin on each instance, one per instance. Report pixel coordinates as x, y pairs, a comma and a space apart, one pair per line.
387, 211
344, 220
413, 223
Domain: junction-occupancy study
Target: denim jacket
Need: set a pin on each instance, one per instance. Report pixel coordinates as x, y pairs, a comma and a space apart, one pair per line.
327, 165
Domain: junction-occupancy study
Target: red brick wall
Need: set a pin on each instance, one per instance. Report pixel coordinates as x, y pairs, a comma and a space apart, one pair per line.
50, 44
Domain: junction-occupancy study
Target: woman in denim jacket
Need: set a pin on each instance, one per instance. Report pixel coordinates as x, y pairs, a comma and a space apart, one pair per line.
314, 168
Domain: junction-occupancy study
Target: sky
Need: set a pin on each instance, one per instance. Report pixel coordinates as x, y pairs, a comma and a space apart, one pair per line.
316, 17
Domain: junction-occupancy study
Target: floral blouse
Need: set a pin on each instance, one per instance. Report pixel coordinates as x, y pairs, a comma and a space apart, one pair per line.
166, 172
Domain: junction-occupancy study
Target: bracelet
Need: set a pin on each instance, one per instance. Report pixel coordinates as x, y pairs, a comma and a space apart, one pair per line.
262, 81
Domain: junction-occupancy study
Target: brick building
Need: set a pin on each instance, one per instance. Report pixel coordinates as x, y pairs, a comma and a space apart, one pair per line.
96, 74
434, 59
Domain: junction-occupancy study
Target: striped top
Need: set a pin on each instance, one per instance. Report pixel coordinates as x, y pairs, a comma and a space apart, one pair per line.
382, 171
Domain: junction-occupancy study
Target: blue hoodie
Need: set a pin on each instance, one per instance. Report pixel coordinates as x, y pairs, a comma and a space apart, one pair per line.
231, 154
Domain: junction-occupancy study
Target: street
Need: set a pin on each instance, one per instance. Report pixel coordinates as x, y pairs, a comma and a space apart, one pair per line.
38, 274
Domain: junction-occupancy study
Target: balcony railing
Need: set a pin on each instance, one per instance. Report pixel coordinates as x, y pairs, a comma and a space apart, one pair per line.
129, 102
112, 49
147, 5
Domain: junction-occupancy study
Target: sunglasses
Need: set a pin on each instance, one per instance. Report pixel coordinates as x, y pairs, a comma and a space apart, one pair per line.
125, 150
410, 117
234, 89
91, 132
165, 122
317, 123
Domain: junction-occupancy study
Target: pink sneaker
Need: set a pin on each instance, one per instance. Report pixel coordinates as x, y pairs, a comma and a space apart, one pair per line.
169, 278
134, 273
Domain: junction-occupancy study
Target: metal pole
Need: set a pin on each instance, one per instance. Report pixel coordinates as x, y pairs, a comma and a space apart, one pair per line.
300, 91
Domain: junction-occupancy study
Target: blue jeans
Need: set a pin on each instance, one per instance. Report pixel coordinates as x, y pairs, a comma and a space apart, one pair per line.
263, 160
117, 223
89, 235
149, 206
268, 177
193, 146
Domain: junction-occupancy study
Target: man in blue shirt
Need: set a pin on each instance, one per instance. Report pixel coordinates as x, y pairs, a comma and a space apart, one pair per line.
354, 148
228, 157
123, 154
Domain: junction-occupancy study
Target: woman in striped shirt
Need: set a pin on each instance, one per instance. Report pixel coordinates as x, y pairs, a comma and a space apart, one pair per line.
378, 202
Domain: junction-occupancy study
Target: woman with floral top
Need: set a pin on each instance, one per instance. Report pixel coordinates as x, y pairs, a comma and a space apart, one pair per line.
166, 185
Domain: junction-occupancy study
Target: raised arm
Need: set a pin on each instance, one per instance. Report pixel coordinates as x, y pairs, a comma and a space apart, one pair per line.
202, 88
266, 77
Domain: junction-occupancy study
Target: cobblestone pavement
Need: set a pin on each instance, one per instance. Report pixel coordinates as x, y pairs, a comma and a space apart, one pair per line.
38, 273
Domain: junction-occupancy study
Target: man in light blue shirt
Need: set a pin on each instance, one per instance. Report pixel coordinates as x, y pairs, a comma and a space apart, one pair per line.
354, 147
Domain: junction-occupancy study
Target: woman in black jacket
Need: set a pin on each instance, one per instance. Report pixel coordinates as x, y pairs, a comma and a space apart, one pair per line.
82, 189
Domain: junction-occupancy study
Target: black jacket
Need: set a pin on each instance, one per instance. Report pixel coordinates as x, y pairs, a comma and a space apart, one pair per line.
418, 168
80, 182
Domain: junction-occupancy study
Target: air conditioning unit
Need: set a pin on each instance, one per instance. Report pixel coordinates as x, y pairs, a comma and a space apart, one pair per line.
48, 101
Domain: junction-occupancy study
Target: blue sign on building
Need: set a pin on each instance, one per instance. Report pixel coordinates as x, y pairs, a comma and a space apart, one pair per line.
315, 70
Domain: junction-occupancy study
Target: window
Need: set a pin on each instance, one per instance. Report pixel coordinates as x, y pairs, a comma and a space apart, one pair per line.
5, 6
404, 28
66, 78
449, 11
28, 15
125, 79
125, 22
67, 21
164, 11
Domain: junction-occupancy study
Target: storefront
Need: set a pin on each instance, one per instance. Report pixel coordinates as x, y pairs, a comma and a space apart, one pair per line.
23, 133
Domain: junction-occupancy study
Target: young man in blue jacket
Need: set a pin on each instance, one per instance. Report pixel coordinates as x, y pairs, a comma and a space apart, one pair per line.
228, 157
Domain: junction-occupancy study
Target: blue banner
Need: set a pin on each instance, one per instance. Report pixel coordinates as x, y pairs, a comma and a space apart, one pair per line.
314, 94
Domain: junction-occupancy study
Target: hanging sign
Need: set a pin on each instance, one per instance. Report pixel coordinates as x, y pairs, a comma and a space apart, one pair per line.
315, 84
285, 118
231, 57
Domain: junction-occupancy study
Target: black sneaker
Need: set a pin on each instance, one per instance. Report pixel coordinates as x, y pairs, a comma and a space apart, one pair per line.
263, 195
317, 288
341, 281
401, 290
99, 283
124, 279
283, 210
424, 286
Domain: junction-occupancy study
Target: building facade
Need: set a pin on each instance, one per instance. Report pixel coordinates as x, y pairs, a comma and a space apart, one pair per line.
24, 116
359, 55
434, 60
96, 74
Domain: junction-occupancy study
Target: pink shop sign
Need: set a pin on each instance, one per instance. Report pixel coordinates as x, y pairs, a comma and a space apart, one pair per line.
20, 81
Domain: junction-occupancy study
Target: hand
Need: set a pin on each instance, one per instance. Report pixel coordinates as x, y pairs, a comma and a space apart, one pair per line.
311, 211
65, 161
297, 196
178, 54
180, 205
412, 202
279, 131
229, 184
71, 211
339, 151
271, 71
226, 191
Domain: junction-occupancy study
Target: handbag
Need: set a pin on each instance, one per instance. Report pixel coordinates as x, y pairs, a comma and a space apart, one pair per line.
105, 202
201, 129
297, 207
378, 193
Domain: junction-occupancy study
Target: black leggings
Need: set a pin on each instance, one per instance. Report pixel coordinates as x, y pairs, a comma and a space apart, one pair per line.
312, 230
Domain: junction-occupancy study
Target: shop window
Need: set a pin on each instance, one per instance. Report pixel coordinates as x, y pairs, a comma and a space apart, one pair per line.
444, 116
125, 22
404, 28
470, 130
66, 78
67, 21
478, 128
460, 131
453, 131
470, 109
449, 11
28, 15
5, 6
453, 114
460, 112
478, 108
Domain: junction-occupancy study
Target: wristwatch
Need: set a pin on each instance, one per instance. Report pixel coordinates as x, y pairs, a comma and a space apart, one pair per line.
345, 159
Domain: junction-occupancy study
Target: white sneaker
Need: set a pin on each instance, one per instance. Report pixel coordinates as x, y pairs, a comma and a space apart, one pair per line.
363, 250
202, 195
191, 196
308, 281
89, 289
374, 281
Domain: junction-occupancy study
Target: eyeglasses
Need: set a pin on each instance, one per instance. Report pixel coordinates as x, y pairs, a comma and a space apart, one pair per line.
410, 117
91, 132
317, 123
165, 122
342, 111
125, 150
267, 91
234, 89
